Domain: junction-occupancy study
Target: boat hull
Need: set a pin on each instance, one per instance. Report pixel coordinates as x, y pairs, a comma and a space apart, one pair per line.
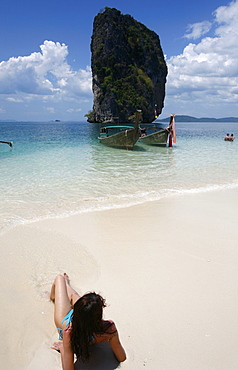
159, 138
124, 139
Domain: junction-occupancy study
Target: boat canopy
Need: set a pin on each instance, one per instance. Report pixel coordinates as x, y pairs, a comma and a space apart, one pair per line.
117, 126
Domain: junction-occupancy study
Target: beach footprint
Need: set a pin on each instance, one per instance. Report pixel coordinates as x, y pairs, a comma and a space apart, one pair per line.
49, 253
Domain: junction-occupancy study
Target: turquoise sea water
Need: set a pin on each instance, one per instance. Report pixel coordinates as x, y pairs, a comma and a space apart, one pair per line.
58, 169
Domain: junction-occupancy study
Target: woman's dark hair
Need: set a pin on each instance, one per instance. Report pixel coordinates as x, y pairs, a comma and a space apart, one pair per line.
87, 321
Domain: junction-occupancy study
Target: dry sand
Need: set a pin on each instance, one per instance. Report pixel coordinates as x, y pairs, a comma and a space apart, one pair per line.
168, 270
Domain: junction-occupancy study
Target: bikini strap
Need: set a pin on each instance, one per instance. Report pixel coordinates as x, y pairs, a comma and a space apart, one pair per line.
68, 318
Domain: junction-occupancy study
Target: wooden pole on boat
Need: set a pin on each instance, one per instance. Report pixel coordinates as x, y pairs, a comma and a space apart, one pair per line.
138, 113
7, 142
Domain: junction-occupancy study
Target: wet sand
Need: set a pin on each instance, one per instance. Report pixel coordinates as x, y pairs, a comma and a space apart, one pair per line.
168, 270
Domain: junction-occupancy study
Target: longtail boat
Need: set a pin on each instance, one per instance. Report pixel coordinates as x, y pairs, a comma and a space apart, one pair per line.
7, 142
121, 136
157, 136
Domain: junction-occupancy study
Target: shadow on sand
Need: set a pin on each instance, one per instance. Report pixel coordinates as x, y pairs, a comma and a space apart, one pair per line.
101, 358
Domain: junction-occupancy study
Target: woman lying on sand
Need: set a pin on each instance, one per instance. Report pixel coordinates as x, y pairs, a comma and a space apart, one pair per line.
82, 325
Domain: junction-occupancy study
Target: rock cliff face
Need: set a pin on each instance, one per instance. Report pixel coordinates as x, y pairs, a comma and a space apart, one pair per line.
128, 69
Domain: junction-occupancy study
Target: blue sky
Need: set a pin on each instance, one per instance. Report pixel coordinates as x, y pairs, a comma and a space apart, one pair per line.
45, 56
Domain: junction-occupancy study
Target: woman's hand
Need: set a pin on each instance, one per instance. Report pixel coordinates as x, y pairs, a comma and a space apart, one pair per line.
57, 346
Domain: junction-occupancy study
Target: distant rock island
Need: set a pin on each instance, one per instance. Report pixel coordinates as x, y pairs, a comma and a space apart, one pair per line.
128, 69
183, 118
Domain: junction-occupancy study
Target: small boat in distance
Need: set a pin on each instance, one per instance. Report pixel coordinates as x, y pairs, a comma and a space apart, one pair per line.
155, 135
119, 136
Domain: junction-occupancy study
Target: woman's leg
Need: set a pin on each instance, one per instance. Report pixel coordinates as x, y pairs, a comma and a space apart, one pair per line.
72, 294
59, 295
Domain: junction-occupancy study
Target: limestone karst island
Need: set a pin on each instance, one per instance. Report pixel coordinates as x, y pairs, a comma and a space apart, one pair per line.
128, 69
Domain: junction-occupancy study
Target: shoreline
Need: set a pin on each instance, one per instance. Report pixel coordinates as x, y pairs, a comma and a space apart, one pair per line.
167, 268
130, 203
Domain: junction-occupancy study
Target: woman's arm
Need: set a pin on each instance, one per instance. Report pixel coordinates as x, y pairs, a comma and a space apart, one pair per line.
65, 349
67, 355
116, 345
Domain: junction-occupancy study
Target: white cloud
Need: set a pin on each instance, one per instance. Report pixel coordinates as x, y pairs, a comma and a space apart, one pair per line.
204, 78
50, 110
196, 30
14, 100
73, 110
77, 82
44, 73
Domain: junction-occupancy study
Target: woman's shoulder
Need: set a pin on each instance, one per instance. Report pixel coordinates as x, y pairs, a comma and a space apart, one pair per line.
109, 326
108, 331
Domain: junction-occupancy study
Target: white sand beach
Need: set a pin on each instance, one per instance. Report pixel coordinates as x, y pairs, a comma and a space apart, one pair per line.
168, 270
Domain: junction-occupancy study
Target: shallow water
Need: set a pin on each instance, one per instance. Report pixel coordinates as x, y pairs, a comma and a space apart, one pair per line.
57, 169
